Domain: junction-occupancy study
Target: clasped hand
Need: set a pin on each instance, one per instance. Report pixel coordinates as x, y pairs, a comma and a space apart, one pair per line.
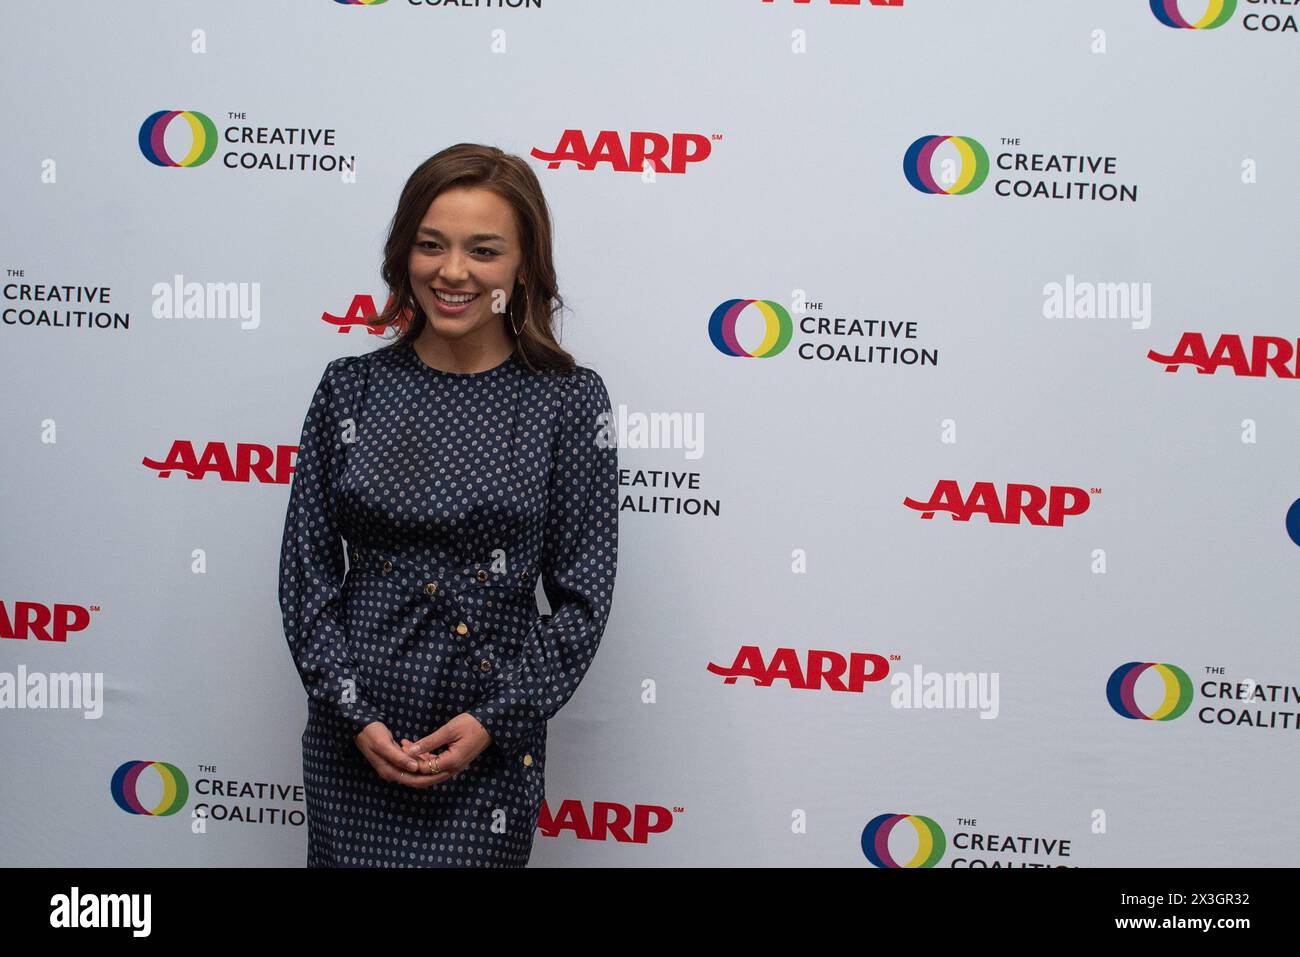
411, 763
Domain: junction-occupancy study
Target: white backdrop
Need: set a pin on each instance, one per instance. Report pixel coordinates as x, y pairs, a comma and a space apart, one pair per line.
1106, 188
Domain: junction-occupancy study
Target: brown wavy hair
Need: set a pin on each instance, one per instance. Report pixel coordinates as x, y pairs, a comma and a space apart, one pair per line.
511, 178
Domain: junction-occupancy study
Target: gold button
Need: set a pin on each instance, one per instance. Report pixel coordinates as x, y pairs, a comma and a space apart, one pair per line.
485, 665
388, 566
528, 760
462, 629
430, 588
356, 556
481, 575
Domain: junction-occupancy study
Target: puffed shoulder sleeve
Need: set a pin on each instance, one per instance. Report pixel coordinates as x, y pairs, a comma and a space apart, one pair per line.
578, 562
311, 562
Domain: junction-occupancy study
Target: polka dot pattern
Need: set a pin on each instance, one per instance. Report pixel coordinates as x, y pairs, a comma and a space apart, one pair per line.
454, 493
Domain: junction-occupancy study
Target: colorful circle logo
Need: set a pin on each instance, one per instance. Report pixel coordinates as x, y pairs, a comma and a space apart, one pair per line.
1217, 14
1293, 521
778, 328
974, 165
203, 138
930, 842
1178, 691
175, 788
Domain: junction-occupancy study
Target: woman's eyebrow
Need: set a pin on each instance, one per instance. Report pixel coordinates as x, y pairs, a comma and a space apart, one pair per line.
477, 237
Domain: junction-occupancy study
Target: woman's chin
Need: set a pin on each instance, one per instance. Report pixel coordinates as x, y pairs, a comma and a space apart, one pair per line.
454, 327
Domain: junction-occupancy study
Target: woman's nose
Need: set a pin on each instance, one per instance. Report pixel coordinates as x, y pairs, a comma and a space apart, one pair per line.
453, 267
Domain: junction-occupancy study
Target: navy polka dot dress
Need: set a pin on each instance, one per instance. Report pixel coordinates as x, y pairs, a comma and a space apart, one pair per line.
454, 493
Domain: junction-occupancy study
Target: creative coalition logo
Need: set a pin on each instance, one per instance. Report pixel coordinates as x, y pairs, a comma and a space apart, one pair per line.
930, 842
1292, 523
1179, 694
173, 790
188, 138
1219, 12
886, 847
1178, 691
1216, 15
76, 306
777, 328
971, 169
1021, 504
947, 165
828, 339
1267, 354
202, 138
667, 491
125, 788
642, 152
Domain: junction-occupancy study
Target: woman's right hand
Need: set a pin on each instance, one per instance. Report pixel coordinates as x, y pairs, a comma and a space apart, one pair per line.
385, 756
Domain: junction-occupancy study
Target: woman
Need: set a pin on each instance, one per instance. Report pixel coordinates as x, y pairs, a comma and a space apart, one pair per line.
460, 463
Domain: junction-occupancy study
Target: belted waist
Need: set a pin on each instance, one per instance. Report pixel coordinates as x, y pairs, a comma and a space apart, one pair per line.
438, 579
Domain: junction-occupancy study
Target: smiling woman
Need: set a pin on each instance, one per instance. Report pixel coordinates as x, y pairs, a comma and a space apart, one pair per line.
461, 464
470, 243
464, 276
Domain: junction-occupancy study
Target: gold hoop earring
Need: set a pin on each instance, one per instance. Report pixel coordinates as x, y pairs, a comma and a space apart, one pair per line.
511, 315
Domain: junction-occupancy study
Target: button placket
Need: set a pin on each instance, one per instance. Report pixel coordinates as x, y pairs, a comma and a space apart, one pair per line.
434, 588
461, 628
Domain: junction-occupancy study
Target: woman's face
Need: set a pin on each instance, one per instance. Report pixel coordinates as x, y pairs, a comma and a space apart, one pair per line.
467, 244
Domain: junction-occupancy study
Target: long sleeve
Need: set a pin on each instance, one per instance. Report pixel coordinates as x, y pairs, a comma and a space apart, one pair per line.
578, 562
311, 564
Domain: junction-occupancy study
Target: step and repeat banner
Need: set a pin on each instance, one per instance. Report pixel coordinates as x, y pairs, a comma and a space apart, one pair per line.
952, 348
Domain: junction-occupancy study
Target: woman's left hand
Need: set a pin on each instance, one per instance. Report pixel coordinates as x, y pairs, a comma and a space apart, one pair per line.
465, 739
